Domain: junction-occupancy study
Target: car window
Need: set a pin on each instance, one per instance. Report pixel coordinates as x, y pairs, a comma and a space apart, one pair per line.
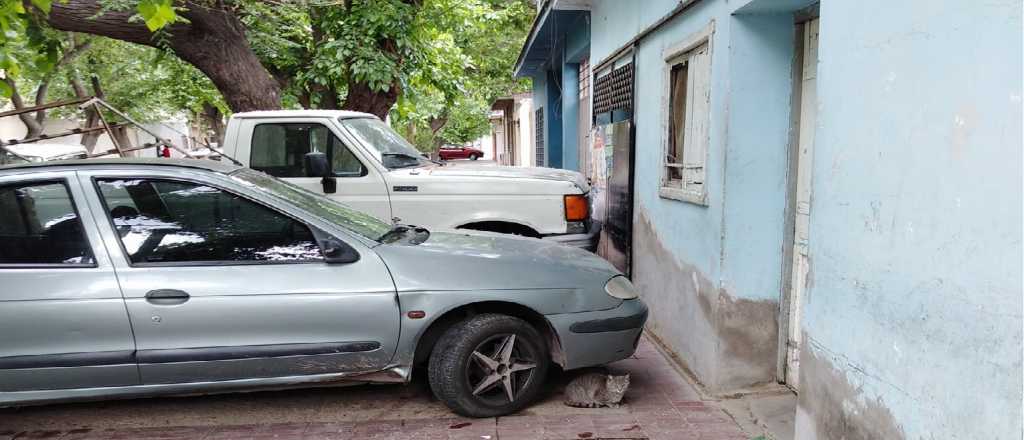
39, 225
390, 148
278, 150
316, 204
166, 221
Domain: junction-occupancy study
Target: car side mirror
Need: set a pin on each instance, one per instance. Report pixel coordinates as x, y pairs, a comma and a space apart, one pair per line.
317, 166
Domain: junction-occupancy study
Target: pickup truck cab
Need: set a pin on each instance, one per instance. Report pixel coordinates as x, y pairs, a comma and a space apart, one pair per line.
375, 170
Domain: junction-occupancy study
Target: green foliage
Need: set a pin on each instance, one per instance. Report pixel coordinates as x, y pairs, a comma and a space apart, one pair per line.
470, 47
147, 84
446, 60
156, 13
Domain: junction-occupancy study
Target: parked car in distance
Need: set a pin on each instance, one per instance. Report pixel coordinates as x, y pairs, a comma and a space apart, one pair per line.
452, 152
142, 277
41, 152
373, 169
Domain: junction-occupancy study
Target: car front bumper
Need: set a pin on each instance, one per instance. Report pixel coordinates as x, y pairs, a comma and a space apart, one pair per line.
587, 240
601, 337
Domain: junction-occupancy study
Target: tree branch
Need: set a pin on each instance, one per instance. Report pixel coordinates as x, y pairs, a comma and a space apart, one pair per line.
44, 83
213, 40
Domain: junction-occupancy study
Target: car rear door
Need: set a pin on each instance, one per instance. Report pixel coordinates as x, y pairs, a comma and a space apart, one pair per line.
63, 322
221, 284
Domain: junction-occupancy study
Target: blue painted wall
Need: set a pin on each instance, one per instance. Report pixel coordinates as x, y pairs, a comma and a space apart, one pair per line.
553, 125
570, 116
916, 215
566, 36
723, 274
912, 321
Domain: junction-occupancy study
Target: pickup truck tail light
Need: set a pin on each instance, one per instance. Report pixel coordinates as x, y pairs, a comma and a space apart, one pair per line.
576, 207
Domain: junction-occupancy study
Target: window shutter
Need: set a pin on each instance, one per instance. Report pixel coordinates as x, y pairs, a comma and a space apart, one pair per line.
698, 113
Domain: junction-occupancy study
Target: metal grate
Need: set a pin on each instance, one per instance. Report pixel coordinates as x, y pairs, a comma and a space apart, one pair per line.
614, 91
539, 117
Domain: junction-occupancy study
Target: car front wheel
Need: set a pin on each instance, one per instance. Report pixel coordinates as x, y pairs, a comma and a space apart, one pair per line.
488, 365
473, 157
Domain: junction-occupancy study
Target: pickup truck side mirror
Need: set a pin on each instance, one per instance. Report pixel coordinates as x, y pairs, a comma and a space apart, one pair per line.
316, 166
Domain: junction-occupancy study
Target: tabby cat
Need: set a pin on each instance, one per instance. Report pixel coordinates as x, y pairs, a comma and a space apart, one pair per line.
594, 390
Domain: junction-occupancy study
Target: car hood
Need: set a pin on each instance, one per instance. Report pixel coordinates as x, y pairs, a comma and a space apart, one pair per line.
505, 172
490, 261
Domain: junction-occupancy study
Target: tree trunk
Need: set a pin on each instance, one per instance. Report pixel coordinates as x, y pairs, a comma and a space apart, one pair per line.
33, 128
363, 99
92, 119
213, 120
213, 41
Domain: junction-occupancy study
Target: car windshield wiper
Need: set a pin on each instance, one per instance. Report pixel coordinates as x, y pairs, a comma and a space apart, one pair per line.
411, 234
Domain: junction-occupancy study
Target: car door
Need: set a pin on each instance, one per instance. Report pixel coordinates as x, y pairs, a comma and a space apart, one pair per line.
221, 284
277, 147
62, 318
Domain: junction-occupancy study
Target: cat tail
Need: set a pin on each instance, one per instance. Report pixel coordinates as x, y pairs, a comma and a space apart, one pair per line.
581, 404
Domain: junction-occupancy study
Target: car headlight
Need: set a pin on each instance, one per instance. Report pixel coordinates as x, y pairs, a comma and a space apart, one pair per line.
620, 287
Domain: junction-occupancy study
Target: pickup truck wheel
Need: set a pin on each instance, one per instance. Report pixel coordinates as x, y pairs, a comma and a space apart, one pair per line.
488, 365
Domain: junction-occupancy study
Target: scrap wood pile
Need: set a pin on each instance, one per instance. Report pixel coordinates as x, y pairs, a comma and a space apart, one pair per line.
122, 144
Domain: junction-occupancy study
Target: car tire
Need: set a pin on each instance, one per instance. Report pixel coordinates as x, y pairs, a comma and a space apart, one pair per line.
466, 383
474, 156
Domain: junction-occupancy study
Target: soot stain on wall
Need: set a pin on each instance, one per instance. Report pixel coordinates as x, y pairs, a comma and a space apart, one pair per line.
835, 406
727, 342
748, 340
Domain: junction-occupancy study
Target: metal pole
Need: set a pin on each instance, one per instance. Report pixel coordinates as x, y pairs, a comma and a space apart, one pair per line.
159, 139
103, 121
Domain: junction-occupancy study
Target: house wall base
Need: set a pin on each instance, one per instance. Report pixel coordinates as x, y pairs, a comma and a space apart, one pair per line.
728, 343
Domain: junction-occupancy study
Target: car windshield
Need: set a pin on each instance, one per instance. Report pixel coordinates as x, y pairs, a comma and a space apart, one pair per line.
391, 149
319, 205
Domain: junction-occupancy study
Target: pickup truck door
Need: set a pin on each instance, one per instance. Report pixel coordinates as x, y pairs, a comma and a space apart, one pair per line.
62, 318
276, 146
222, 284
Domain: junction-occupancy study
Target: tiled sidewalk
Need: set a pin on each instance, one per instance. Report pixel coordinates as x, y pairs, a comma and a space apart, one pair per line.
660, 405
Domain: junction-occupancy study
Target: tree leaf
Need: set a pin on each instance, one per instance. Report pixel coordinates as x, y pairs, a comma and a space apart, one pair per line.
43, 5
5, 90
156, 13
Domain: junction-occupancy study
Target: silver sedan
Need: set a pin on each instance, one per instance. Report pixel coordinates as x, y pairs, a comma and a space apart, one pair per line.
148, 277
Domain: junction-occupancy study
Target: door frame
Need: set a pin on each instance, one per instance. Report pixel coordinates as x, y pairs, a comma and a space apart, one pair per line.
789, 232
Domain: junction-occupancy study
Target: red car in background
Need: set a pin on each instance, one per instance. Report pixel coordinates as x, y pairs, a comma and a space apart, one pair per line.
450, 152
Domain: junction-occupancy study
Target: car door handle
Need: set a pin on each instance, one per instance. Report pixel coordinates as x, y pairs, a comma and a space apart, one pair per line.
166, 297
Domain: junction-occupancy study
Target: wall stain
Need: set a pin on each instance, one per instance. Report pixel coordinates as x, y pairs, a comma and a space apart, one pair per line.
728, 343
835, 406
748, 333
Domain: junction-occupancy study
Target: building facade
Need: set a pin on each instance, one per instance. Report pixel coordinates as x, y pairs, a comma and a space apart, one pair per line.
825, 195
511, 130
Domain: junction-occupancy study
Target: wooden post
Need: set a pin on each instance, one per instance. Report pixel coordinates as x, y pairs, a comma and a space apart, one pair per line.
110, 132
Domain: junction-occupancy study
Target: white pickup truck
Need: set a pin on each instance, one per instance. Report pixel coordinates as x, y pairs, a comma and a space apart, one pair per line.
359, 160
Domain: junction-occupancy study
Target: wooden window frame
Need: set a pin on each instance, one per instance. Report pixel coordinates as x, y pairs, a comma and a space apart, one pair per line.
685, 189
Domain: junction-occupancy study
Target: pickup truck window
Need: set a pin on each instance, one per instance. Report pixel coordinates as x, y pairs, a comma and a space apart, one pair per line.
277, 149
317, 204
391, 149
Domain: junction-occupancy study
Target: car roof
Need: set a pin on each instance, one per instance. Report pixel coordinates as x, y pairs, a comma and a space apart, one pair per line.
302, 114
45, 149
203, 164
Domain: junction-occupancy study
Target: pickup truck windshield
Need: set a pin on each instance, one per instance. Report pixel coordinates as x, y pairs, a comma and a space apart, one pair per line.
321, 206
391, 149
